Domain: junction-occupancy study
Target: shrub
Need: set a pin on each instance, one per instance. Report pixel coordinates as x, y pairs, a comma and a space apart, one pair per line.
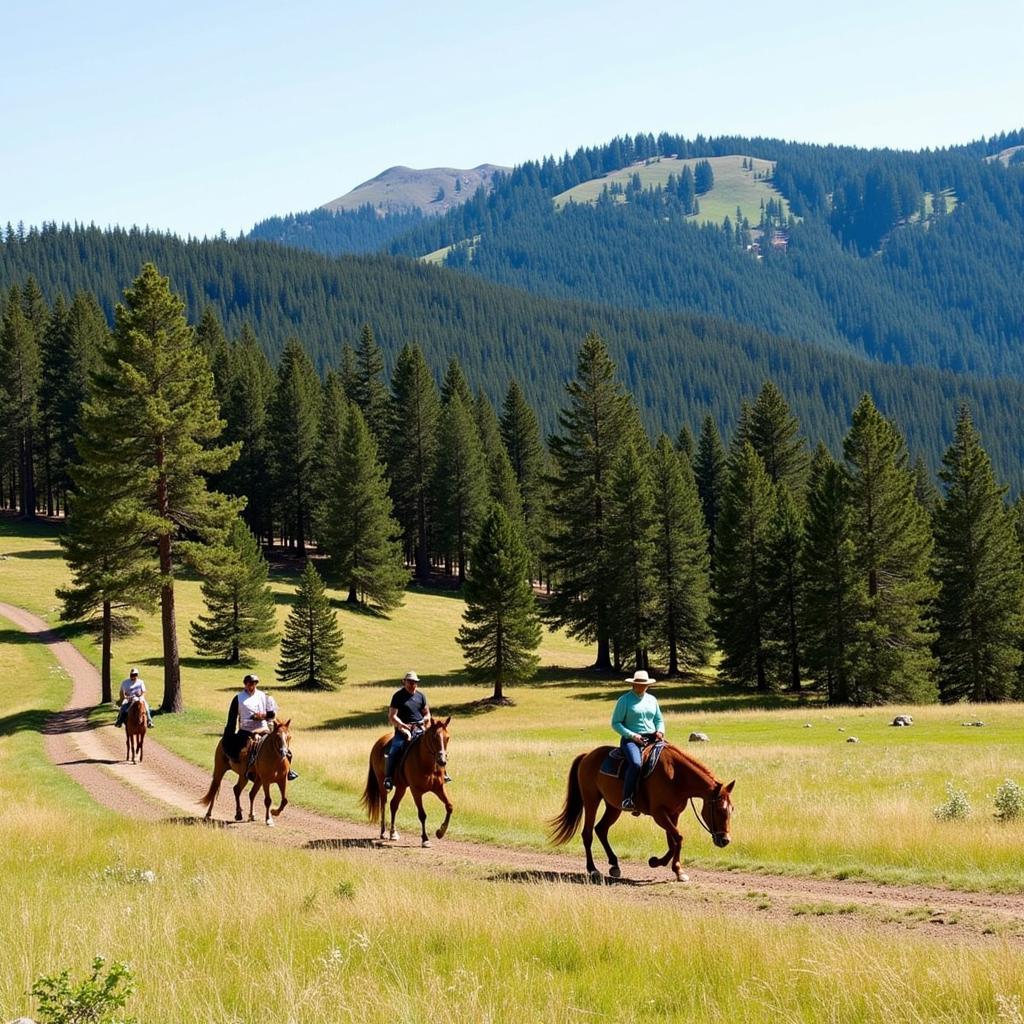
1009, 801
956, 807
92, 1001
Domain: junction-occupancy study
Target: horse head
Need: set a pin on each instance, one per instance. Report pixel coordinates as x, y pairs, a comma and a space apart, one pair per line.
717, 813
281, 738
436, 739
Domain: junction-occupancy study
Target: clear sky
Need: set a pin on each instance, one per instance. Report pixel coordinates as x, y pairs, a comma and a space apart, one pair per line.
198, 117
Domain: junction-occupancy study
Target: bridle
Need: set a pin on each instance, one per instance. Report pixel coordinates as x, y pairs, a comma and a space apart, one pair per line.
440, 754
714, 830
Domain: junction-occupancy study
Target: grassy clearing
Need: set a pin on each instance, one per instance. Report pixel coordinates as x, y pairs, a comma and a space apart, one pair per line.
734, 186
807, 800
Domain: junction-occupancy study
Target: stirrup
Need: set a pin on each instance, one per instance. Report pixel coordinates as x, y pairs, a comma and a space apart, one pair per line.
292, 776
388, 785
628, 803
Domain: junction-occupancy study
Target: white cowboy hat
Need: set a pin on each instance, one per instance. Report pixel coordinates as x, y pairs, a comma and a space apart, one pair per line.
410, 677
133, 671
640, 677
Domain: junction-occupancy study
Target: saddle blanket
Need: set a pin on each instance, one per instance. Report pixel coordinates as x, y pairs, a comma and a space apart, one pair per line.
614, 763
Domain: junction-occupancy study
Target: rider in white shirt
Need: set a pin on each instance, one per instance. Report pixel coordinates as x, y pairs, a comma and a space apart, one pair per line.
132, 688
253, 710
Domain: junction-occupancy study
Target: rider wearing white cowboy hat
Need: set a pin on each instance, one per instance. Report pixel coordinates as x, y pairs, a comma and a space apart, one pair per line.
638, 720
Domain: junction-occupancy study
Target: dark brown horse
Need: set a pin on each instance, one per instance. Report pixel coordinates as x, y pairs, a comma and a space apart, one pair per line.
135, 726
677, 779
270, 767
422, 771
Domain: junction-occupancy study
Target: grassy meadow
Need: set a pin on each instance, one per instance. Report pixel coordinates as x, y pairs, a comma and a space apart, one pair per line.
734, 186
226, 931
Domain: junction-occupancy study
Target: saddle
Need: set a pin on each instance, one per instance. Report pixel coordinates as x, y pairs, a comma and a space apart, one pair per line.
395, 768
255, 742
614, 764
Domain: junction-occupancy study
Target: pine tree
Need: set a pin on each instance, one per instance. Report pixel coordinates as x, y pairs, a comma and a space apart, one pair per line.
709, 469
311, 647
685, 444
743, 586
294, 432
593, 431
501, 627
369, 391
501, 477
239, 603
978, 565
334, 408
893, 544
775, 434
455, 383
460, 484
412, 451
783, 623
148, 442
357, 528
348, 374
52, 355
521, 435
214, 344
924, 488
20, 375
682, 590
830, 599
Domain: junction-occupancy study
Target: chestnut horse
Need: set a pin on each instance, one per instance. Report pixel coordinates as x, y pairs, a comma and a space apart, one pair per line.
676, 779
134, 730
269, 767
422, 771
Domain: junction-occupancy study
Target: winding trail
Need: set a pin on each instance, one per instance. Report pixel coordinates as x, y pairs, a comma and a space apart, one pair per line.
167, 788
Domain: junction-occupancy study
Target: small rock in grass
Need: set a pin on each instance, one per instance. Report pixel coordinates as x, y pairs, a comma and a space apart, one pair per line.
699, 737
807, 725
901, 721
852, 739
969, 724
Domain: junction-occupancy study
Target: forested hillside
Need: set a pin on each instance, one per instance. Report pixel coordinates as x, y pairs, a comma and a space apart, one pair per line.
911, 258
678, 366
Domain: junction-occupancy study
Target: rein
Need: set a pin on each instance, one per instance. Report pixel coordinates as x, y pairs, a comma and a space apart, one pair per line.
700, 821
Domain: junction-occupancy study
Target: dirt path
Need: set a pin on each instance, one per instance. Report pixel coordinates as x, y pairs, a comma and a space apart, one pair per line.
167, 788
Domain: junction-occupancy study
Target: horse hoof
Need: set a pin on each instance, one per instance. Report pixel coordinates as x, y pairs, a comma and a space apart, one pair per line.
596, 878
394, 836
270, 822
682, 876
238, 817
425, 844
652, 862
252, 817
615, 871
439, 833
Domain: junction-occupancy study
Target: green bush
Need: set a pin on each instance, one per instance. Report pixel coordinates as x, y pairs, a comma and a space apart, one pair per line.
1009, 801
93, 1000
956, 807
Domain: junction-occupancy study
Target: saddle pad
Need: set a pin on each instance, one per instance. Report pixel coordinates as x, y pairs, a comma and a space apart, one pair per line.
614, 763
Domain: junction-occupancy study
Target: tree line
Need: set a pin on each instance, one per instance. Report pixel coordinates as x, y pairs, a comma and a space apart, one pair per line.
853, 575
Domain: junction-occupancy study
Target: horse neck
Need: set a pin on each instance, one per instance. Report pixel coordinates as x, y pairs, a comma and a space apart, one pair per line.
700, 777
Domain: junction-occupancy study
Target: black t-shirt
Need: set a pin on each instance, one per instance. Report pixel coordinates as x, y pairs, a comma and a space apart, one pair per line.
411, 706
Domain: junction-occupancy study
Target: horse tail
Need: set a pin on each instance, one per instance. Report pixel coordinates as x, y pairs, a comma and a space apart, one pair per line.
563, 827
211, 793
373, 799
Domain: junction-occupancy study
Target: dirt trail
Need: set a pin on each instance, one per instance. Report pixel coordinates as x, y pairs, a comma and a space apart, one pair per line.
167, 788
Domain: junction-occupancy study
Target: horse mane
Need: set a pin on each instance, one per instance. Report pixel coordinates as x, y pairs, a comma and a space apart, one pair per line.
691, 762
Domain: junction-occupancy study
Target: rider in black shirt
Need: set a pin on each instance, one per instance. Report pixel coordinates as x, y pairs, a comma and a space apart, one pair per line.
410, 715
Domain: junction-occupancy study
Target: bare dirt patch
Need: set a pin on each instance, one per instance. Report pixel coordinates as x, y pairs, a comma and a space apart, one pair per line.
167, 788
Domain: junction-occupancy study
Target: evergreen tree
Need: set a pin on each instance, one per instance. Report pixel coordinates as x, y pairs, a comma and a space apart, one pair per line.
925, 490
333, 418
830, 598
214, 344
148, 441
501, 628
312, 642
412, 450
239, 603
455, 383
893, 544
112, 570
294, 433
743, 585
593, 426
775, 434
369, 391
460, 484
981, 579
685, 444
783, 623
681, 596
709, 469
357, 528
522, 439
52, 355
348, 374
631, 532
501, 477
20, 374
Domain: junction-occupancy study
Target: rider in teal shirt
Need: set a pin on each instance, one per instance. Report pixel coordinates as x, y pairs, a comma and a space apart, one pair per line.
638, 720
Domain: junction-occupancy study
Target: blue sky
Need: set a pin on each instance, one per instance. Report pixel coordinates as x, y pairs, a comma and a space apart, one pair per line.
197, 117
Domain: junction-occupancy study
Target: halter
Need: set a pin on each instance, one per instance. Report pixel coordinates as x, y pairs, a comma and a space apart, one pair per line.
713, 831
440, 755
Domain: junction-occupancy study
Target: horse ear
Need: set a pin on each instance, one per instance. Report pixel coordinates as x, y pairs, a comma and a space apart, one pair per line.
287, 725
446, 721
728, 789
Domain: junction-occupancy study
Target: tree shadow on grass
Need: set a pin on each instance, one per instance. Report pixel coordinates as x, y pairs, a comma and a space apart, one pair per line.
17, 636
32, 720
35, 553
566, 877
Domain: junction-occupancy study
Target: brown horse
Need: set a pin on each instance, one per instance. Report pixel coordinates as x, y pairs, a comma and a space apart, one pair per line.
422, 771
135, 726
269, 767
677, 779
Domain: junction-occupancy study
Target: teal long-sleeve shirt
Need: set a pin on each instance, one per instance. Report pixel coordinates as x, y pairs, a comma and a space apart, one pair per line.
634, 714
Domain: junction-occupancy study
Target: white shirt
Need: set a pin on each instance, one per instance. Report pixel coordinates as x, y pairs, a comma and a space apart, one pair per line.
132, 688
250, 704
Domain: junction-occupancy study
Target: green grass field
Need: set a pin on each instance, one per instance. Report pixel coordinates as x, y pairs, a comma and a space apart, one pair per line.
734, 186
227, 931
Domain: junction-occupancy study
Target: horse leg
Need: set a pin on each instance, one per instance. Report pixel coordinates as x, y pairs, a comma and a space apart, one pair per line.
267, 802
669, 822
422, 815
590, 804
141, 742
610, 816
237, 789
127, 743
252, 797
395, 801
282, 786
442, 795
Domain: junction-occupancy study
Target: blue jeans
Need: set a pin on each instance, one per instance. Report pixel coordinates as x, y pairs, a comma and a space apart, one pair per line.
393, 755
122, 713
634, 758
